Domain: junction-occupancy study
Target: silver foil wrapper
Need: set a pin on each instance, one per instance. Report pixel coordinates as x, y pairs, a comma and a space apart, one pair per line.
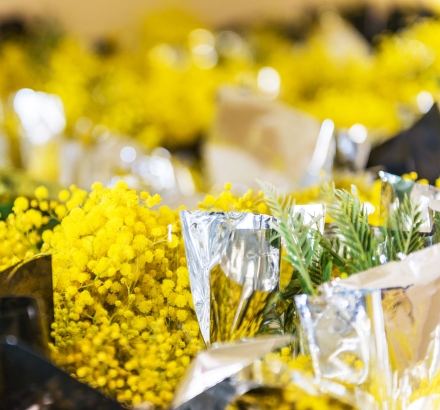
347, 343
233, 263
208, 382
378, 331
224, 373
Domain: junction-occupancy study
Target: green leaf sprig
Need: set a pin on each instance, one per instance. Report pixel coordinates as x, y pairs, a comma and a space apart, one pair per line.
354, 247
356, 236
300, 239
357, 246
402, 231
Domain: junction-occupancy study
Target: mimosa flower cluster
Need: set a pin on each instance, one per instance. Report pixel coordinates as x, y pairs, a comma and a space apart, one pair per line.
124, 316
254, 201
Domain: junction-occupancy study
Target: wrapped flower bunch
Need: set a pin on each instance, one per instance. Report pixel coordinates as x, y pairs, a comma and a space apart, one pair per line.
124, 316
124, 320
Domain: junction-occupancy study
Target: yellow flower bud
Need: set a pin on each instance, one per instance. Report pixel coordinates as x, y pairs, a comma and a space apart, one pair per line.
21, 204
41, 192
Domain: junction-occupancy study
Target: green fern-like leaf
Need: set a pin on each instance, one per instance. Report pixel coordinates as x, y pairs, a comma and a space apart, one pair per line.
326, 264
336, 252
437, 227
321, 266
356, 235
402, 231
298, 237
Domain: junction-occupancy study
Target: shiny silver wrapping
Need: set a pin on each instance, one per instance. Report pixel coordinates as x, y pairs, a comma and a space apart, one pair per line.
209, 382
379, 331
220, 375
240, 247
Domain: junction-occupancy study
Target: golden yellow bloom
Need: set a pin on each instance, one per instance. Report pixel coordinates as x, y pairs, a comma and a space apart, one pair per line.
41, 192
119, 292
21, 204
64, 195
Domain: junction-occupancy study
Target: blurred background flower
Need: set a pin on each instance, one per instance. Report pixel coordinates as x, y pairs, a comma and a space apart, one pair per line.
88, 92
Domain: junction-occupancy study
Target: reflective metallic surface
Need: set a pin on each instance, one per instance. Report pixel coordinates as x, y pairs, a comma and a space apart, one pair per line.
378, 331
30, 381
33, 278
234, 251
250, 258
212, 367
222, 375
242, 283
312, 212
337, 327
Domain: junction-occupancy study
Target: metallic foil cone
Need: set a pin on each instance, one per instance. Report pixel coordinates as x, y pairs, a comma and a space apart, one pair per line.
233, 263
242, 282
378, 331
346, 336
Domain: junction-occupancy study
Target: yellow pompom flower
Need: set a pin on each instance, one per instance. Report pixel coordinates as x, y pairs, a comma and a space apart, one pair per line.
21, 204
41, 193
174, 242
64, 195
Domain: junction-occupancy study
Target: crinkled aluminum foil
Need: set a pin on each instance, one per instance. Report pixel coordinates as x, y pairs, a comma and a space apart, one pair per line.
379, 330
337, 325
346, 338
205, 385
233, 259
217, 377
